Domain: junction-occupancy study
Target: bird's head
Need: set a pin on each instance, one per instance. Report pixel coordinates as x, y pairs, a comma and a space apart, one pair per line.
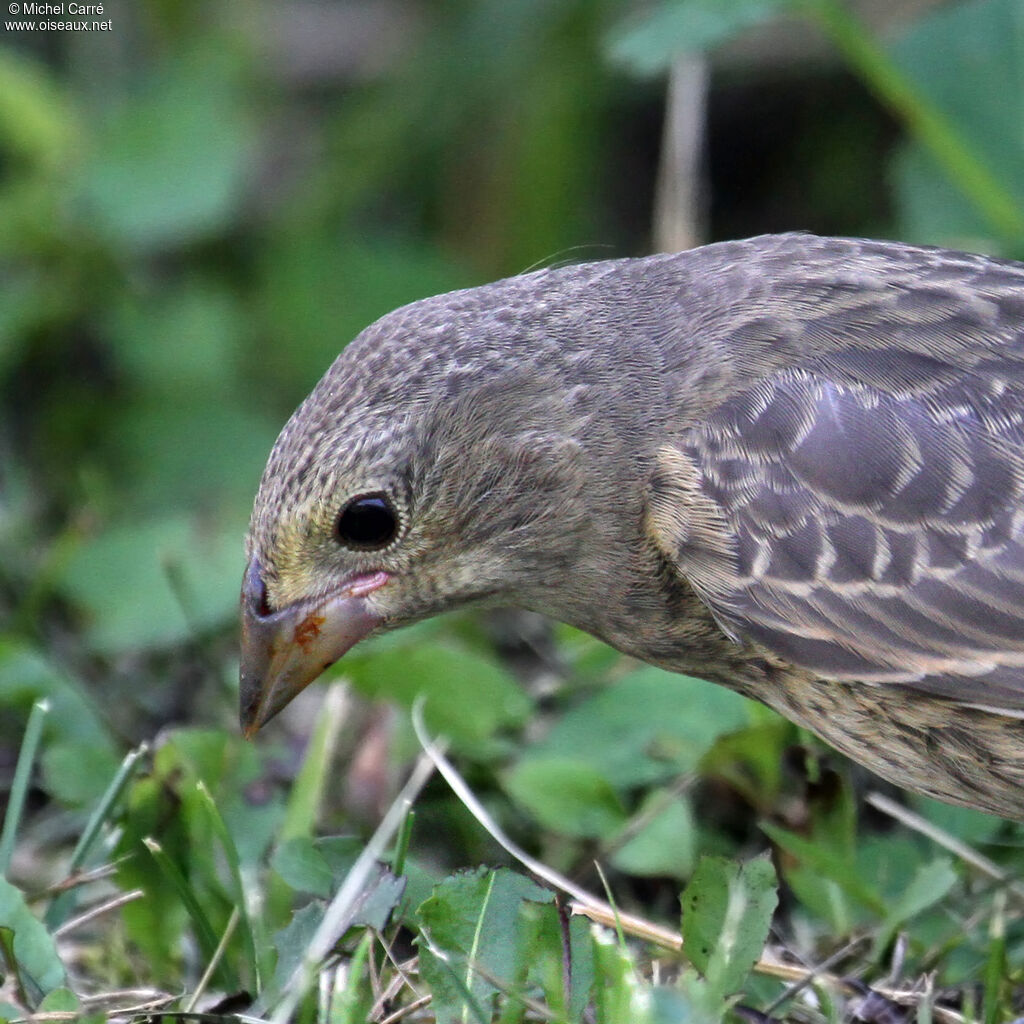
441, 461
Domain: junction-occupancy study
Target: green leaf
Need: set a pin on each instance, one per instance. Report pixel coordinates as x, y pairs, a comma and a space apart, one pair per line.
667, 843
34, 950
543, 958
964, 59
891, 861
319, 291
194, 907
26, 675
60, 1000
171, 159
566, 796
37, 120
824, 860
157, 923
339, 853
929, 885
132, 580
166, 806
752, 759
291, 944
77, 773
727, 912
378, 901
468, 697
172, 341
649, 43
613, 993
237, 892
648, 727
974, 827
471, 920
228, 766
202, 451
20, 783
303, 866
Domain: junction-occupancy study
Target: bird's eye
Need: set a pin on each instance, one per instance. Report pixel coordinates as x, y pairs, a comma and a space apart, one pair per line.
367, 523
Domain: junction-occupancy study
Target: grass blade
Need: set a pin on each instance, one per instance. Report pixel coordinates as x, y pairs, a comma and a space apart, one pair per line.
62, 907
22, 777
231, 855
205, 934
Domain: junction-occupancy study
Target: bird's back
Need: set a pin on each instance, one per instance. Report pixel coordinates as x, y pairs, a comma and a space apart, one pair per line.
849, 502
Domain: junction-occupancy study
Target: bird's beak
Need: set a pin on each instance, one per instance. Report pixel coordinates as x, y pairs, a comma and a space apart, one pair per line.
283, 651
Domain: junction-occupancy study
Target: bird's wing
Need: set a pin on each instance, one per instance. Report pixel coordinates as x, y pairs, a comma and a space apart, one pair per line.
865, 524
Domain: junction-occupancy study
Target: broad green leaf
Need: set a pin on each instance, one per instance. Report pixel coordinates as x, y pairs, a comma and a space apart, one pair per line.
170, 160
34, 949
649, 42
303, 866
27, 675
965, 823
379, 900
472, 919
891, 861
965, 60
156, 582
825, 861
232, 770
929, 885
543, 958
156, 924
291, 944
727, 912
339, 853
172, 341
318, 291
316, 866
467, 697
78, 773
566, 796
60, 1000
204, 451
752, 759
667, 843
650, 726
168, 806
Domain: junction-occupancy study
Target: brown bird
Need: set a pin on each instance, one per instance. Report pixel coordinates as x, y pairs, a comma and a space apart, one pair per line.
791, 465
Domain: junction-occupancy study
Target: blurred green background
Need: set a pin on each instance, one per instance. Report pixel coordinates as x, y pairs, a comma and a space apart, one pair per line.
200, 206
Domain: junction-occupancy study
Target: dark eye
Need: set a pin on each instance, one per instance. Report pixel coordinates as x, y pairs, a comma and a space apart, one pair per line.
367, 523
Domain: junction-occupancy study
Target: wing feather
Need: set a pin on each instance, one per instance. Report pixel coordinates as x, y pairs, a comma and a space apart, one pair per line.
874, 505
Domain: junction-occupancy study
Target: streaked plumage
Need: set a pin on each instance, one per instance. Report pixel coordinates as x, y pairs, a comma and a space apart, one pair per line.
793, 465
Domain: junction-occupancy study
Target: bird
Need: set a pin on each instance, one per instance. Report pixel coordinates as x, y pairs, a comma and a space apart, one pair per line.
792, 465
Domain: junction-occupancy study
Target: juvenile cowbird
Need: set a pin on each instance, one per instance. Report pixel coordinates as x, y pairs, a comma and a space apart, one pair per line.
791, 465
